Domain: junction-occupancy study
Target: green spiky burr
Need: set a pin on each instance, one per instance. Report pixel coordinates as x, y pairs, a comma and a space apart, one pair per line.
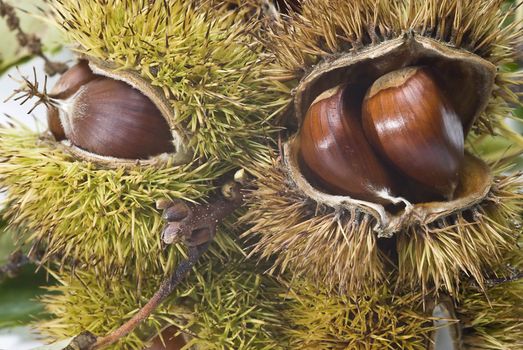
204, 74
224, 304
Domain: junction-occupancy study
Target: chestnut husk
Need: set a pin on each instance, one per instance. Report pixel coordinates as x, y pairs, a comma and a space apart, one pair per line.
346, 243
467, 81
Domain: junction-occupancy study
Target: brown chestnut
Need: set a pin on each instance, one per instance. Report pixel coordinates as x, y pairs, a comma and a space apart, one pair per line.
107, 117
171, 341
72, 80
336, 153
409, 121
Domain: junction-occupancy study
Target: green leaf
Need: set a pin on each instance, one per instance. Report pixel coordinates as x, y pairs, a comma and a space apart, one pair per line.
518, 112
7, 245
18, 304
510, 67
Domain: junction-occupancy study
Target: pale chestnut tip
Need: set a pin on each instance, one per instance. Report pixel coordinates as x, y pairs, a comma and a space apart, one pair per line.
68, 84
241, 177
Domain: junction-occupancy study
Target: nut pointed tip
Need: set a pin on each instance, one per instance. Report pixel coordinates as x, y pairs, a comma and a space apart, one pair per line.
241, 176
171, 233
162, 204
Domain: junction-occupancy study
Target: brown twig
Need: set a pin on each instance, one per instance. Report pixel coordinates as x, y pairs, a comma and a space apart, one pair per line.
166, 288
196, 226
88, 341
30, 41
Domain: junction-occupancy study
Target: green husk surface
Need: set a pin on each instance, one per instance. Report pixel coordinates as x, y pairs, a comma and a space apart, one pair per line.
377, 319
103, 217
224, 304
339, 249
470, 242
493, 320
400, 318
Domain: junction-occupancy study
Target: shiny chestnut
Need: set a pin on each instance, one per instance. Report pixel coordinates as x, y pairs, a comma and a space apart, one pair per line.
409, 121
336, 153
107, 117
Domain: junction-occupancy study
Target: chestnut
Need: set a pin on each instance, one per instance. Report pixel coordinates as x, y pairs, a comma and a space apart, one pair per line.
107, 117
335, 151
408, 120
70, 82
169, 340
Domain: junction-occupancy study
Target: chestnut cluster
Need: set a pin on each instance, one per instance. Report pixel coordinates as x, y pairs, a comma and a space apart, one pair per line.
106, 117
400, 137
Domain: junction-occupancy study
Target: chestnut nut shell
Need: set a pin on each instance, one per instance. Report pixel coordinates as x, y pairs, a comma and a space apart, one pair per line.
113, 119
335, 152
106, 118
409, 121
